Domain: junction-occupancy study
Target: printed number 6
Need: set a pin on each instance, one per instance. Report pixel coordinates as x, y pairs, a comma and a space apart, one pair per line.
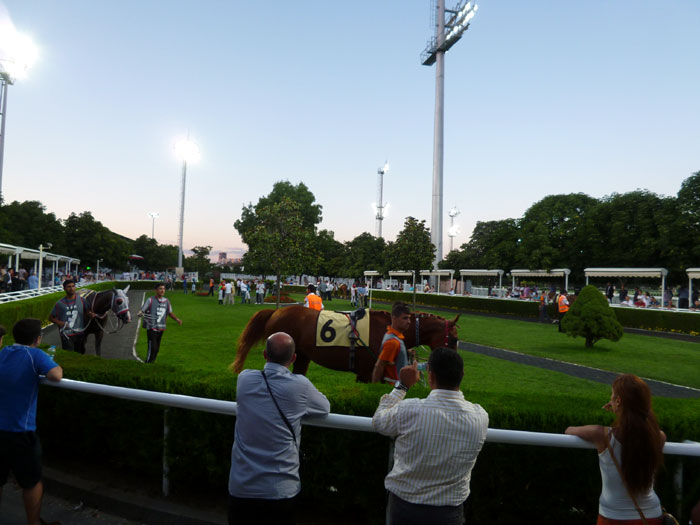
327, 333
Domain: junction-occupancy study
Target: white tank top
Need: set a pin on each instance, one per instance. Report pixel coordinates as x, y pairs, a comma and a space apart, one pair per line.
614, 502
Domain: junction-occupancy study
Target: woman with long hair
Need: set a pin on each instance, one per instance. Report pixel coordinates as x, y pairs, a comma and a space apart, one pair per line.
636, 444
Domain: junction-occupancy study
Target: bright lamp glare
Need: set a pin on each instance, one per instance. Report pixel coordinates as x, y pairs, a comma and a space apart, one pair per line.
453, 231
187, 150
18, 53
386, 167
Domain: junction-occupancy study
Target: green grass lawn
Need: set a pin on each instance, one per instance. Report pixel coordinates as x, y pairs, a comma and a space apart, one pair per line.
194, 359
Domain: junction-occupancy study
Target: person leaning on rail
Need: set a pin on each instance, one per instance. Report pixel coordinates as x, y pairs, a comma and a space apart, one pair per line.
437, 442
630, 453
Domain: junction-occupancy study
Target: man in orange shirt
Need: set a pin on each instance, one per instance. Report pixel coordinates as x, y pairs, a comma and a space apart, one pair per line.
393, 356
563, 303
312, 300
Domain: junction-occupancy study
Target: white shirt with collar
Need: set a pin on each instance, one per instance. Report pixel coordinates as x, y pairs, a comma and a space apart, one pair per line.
437, 442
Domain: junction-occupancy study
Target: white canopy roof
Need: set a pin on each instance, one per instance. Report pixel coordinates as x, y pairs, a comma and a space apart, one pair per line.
626, 272
556, 272
437, 272
693, 273
371, 273
480, 272
401, 273
33, 254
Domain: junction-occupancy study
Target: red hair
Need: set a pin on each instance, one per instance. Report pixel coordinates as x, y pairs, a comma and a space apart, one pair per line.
638, 432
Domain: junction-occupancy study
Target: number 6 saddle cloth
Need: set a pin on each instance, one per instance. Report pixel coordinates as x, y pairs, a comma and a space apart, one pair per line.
333, 329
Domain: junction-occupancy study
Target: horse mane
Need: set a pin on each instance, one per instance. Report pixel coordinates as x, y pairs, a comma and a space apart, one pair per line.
253, 333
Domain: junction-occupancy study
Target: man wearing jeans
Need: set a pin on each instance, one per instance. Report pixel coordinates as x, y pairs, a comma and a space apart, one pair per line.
437, 442
20, 367
264, 478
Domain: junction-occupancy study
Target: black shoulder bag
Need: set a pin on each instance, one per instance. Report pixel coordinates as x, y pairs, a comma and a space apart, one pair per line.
284, 418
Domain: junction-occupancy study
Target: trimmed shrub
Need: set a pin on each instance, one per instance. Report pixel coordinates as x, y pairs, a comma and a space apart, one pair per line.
591, 317
284, 298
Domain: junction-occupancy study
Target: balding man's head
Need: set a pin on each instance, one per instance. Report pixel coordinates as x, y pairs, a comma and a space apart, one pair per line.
279, 348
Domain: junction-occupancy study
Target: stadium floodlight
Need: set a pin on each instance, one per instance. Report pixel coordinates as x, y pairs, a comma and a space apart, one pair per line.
380, 206
17, 55
448, 32
187, 151
454, 230
153, 215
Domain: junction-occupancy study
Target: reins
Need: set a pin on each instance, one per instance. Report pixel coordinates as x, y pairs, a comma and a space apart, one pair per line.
120, 323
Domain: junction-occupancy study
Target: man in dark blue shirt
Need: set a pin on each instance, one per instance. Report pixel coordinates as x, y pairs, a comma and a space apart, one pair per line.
20, 367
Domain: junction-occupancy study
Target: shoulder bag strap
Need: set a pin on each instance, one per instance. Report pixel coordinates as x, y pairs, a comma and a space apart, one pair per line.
284, 418
619, 471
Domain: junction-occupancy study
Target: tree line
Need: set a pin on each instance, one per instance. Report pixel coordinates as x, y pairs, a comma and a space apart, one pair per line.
636, 229
281, 231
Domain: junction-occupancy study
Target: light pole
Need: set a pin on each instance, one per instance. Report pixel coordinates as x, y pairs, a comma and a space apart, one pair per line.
17, 54
454, 230
448, 32
153, 215
187, 151
97, 273
41, 262
380, 199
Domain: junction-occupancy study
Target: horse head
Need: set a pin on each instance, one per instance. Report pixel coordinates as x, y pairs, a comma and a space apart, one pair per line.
436, 331
120, 305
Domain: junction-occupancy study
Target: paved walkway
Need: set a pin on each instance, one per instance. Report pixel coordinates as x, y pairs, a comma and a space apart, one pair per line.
658, 388
118, 345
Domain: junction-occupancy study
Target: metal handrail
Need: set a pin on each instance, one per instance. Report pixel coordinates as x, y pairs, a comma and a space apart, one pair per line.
337, 421
18, 295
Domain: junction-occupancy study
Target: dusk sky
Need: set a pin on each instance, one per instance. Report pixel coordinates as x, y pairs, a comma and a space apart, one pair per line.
541, 98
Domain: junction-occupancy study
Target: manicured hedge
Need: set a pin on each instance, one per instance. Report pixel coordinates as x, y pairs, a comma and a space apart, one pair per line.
341, 471
648, 319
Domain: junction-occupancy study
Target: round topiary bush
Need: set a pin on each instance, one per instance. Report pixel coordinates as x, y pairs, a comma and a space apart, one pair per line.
590, 316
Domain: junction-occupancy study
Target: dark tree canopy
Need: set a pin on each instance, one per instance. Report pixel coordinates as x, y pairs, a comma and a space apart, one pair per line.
364, 252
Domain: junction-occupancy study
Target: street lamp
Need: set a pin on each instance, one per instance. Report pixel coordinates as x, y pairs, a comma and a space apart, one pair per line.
97, 273
41, 261
17, 54
380, 199
454, 229
153, 215
187, 151
448, 32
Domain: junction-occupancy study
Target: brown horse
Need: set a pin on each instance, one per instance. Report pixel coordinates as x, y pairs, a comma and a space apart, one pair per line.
342, 291
300, 323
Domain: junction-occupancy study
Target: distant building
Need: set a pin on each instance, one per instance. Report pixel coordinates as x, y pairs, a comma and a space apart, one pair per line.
222, 258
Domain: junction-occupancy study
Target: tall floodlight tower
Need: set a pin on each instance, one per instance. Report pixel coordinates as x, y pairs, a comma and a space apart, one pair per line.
188, 152
17, 54
380, 197
447, 33
153, 215
454, 229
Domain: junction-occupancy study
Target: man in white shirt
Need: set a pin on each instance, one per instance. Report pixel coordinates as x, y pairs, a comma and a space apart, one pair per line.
437, 442
228, 293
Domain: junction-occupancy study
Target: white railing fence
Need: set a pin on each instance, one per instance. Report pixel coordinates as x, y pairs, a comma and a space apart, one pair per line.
341, 422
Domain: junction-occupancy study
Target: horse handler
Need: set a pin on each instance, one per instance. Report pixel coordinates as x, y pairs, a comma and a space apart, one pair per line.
69, 314
155, 311
393, 356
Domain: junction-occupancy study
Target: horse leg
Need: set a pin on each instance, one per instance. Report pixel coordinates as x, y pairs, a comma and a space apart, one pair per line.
301, 364
98, 343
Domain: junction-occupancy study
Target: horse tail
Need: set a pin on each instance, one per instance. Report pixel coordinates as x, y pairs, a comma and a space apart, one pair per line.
252, 333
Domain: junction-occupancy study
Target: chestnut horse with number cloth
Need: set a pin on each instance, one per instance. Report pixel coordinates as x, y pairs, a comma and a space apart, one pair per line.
300, 323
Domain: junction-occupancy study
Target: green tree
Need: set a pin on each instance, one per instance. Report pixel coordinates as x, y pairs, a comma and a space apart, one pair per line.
27, 224
364, 252
412, 249
331, 254
591, 317
493, 245
300, 194
199, 261
555, 232
686, 229
280, 240
88, 240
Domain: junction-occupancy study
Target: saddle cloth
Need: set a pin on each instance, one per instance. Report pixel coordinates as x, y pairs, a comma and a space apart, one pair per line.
333, 329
